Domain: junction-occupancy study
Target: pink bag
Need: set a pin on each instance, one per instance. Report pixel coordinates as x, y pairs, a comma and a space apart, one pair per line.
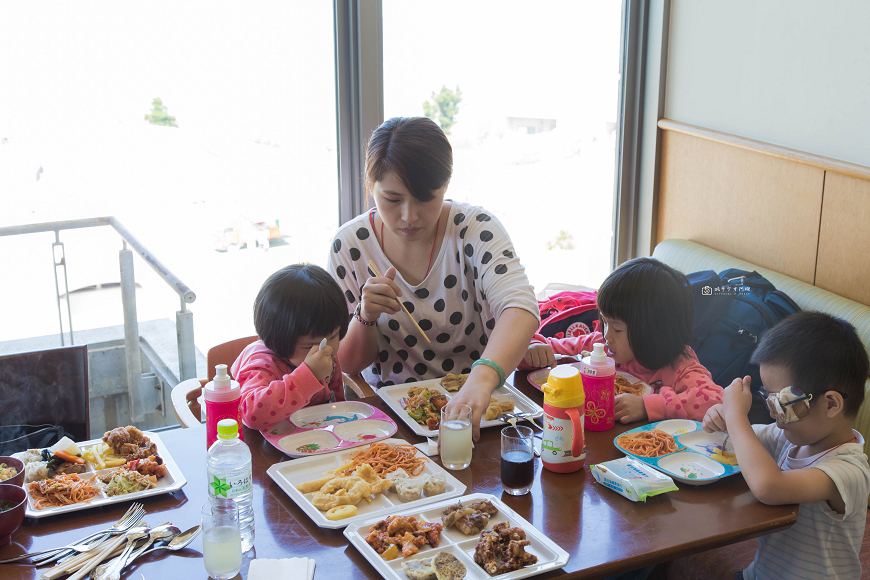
568, 314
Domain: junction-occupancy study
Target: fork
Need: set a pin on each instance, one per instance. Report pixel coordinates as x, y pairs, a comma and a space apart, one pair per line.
520, 416
133, 516
128, 520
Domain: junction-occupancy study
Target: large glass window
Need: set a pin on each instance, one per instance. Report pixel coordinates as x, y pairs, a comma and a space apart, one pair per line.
208, 130
528, 92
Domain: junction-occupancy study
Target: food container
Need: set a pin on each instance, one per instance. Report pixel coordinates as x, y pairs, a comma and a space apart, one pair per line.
632, 479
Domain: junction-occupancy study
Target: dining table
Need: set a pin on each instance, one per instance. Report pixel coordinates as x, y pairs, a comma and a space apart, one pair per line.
603, 532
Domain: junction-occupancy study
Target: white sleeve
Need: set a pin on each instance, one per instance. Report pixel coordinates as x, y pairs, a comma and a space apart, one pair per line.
852, 480
769, 435
341, 267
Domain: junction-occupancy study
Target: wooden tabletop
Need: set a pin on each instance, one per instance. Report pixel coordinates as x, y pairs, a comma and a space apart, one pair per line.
603, 532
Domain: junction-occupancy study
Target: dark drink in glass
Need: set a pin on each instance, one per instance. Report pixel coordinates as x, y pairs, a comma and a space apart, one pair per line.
517, 460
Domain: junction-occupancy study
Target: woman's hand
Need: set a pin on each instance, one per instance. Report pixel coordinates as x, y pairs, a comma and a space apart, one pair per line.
319, 361
714, 419
629, 408
539, 356
476, 396
380, 294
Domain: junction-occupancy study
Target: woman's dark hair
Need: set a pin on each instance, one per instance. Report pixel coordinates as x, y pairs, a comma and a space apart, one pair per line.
296, 301
654, 301
416, 150
821, 353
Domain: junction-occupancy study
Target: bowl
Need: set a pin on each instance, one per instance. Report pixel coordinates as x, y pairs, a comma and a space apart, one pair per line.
11, 518
17, 464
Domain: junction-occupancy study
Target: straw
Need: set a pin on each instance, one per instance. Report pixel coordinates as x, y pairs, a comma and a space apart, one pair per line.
378, 274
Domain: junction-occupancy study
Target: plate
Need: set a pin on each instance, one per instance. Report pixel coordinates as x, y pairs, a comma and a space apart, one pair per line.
291, 473
550, 555
172, 481
539, 377
330, 427
393, 394
691, 463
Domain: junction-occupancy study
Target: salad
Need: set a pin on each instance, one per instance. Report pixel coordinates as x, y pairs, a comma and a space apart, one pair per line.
424, 406
122, 481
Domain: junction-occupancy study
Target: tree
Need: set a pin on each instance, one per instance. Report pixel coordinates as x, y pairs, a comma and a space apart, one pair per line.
159, 116
443, 107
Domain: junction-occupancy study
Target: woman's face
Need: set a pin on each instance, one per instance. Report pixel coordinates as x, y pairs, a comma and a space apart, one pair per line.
402, 213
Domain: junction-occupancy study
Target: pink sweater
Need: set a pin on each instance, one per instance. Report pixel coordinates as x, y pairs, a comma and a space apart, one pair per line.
272, 389
683, 390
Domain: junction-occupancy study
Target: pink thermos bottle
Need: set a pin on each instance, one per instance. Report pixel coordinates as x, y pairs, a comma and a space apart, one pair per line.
598, 371
222, 401
563, 447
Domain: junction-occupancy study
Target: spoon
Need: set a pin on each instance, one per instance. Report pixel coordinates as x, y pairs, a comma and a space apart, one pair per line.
178, 542
162, 533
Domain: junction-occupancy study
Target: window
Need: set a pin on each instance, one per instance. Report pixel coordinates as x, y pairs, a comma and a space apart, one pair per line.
535, 86
251, 163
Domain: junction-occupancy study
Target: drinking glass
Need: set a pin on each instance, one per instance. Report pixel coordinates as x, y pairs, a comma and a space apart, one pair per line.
455, 436
221, 540
517, 460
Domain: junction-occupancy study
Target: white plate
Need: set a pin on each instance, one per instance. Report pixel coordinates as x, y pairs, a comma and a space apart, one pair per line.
291, 473
172, 481
550, 555
539, 377
391, 396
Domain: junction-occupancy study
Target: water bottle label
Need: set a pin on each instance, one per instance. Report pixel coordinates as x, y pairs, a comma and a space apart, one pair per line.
557, 439
229, 488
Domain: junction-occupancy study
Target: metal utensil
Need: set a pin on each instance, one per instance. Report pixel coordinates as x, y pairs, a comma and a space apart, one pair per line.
133, 536
178, 542
131, 518
162, 533
508, 417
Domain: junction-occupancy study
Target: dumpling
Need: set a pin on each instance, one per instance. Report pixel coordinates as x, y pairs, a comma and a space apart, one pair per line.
434, 484
35, 471
398, 475
409, 489
29, 456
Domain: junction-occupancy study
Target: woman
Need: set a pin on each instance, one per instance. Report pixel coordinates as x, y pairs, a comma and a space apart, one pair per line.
451, 264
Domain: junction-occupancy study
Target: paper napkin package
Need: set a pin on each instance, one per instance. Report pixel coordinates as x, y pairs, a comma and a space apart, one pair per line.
283, 569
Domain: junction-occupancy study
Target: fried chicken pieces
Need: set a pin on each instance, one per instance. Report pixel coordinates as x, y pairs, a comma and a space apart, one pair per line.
470, 519
404, 531
139, 451
502, 550
333, 490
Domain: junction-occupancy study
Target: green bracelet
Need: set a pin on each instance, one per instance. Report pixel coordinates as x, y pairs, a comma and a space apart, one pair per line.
494, 366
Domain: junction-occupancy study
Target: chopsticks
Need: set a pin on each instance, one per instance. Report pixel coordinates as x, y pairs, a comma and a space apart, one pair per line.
379, 275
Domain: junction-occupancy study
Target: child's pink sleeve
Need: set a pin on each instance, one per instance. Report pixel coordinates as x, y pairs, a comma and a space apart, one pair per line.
570, 346
268, 398
693, 392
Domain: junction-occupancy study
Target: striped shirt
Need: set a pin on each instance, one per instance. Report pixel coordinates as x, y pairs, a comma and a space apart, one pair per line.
822, 543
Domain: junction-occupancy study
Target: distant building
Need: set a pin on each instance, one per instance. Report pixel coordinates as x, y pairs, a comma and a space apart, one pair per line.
530, 125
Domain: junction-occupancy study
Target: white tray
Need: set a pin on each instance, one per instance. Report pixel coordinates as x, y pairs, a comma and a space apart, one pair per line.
550, 555
172, 481
291, 473
391, 396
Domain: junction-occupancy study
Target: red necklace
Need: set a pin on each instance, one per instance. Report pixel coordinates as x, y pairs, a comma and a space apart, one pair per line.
431, 252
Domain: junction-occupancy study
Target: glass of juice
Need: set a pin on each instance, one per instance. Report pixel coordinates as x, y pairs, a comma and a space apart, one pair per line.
517, 460
221, 540
455, 436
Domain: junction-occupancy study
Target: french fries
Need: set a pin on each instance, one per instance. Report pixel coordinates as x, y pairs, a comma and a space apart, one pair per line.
101, 455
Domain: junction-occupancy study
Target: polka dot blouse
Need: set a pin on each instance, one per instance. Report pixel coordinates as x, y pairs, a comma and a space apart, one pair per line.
474, 278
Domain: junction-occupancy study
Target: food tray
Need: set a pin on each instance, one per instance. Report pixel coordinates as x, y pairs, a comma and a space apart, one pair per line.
172, 481
392, 395
550, 555
691, 463
290, 473
540, 376
330, 427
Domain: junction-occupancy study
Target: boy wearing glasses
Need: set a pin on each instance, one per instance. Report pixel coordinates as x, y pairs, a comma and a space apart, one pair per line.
813, 368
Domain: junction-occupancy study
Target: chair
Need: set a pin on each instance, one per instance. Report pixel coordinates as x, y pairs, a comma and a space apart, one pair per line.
185, 394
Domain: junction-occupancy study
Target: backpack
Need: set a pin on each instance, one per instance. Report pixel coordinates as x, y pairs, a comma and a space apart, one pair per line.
568, 314
732, 310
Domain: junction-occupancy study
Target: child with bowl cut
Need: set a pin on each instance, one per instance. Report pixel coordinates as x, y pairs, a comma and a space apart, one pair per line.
813, 369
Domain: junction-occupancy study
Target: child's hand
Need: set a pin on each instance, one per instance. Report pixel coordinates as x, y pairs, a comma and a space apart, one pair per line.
714, 419
379, 295
539, 356
737, 397
629, 408
319, 361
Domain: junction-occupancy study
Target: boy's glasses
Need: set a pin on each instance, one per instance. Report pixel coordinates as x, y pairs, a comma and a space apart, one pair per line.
789, 405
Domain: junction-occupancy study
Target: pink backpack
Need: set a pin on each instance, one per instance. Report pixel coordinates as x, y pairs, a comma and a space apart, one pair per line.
568, 314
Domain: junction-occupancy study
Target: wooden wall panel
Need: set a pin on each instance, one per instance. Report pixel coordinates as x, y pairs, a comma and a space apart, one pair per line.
844, 238
756, 207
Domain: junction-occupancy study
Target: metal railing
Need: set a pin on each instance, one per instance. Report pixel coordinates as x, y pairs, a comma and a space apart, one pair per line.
140, 399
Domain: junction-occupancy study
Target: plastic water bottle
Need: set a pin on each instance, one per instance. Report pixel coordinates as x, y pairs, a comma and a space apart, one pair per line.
229, 477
